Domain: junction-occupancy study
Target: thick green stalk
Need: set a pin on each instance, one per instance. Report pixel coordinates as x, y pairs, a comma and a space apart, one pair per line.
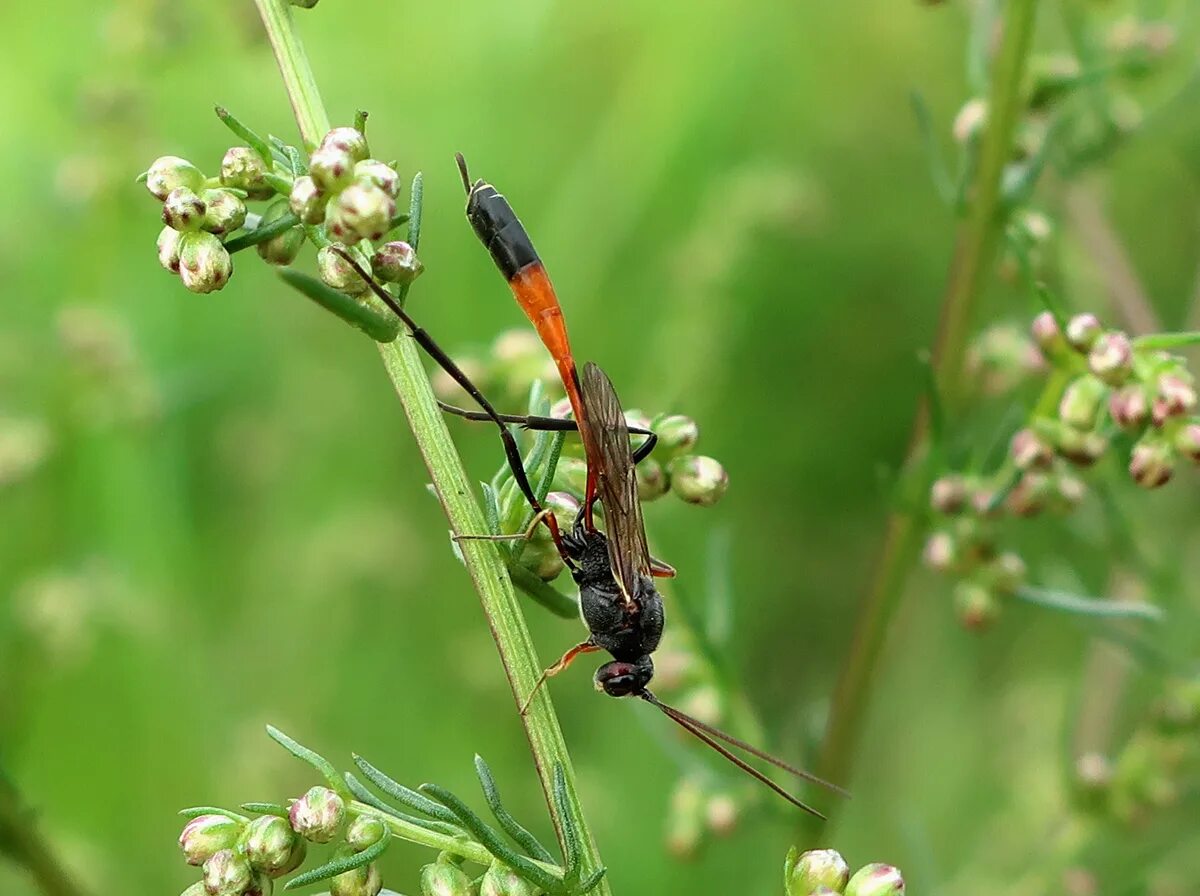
974, 252
488, 572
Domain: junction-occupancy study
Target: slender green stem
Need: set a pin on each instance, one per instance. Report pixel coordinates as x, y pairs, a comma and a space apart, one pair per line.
1066, 602
21, 840
975, 246
483, 560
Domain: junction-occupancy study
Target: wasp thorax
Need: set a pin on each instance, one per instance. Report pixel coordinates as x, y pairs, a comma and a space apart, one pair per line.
619, 679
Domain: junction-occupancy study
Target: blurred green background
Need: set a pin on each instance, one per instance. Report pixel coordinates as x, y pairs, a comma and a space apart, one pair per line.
214, 516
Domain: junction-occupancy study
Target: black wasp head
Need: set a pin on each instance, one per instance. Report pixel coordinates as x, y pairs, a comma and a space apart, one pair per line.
620, 679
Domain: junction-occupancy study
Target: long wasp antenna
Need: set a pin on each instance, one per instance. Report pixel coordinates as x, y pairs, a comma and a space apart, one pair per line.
711, 737
462, 170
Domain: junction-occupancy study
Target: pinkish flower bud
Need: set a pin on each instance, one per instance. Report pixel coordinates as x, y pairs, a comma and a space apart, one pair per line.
271, 846
1081, 448
223, 211
243, 169
318, 815
1081, 403
169, 173
652, 480
1111, 357
331, 169
817, 868
500, 880
970, 120
1128, 407
1187, 441
206, 835
941, 553
444, 878
1070, 491
227, 874
307, 200
380, 174
362, 211
570, 475
364, 832
183, 210
1176, 397
948, 494
1046, 334
677, 434
1082, 331
1151, 463
976, 606
722, 813
169, 241
204, 264
396, 262
876, 879
362, 881
350, 141
698, 479
1007, 573
1029, 451
283, 248
1030, 495
337, 273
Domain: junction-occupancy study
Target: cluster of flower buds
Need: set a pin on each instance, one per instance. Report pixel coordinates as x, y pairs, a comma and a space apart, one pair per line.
823, 872
243, 857
1154, 769
1145, 393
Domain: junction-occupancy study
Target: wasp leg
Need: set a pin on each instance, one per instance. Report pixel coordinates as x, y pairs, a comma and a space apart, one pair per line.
566, 660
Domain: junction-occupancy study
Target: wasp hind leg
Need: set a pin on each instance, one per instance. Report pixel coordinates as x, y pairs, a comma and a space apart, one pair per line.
565, 660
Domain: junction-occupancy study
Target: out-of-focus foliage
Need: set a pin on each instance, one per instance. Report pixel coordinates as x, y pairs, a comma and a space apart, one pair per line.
212, 516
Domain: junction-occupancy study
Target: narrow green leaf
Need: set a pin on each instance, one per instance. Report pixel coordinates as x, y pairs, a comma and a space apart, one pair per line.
1087, 606
404, 795
929, 142
522, 837
491, 840
363, 795
592, 880
142, 178
1045, 298
543, 592
197, 811
360, 121
416, 198
570, 829
265, 809
375, 325
342, 864
1166, 341
255, 142
280, 149
262, 233
316, 760
491, 508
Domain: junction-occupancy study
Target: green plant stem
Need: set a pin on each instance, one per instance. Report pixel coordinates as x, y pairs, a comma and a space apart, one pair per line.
974, 252
482, 559
21, 841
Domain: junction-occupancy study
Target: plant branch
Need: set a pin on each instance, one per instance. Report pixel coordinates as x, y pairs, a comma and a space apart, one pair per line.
22, 842
482, 559
974, 252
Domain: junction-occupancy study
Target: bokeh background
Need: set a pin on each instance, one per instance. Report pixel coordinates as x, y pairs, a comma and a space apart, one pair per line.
213, 517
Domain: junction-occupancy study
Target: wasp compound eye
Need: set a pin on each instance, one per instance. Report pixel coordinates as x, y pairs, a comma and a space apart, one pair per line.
618, 679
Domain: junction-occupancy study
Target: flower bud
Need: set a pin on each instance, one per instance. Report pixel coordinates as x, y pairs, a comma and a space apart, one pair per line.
362, 881
381, 175
1082, 331
1111, 357
204, 265
183, 210
722, 813
1128, 407
1006, 573
571, 475
271, 846
1031, 494
1081, 403
685, 818
1151, 462
1187, 441
169, 173
976, 606
1080, 448
243, 169
362, 211
337, 273
948, 494
396, 262
364, 832
283, 248
941, 553
541, 556
350, 141
445, 879
260, 885
1070, 491
677, 435
970, 120
1029, 451
500, 880
169, 241
331, 169
223, 212
307, 201
226, 874
205, 835
1093, 779
817, 868
652, 480
697, 479
1046, 334
1175, 397
318, 815
876, 879
565, 508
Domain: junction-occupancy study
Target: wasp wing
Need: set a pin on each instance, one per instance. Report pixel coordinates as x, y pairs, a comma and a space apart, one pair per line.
606, 441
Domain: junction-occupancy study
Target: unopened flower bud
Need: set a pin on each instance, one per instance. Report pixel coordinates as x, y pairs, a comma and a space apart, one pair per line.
169, 242
1006, 573
1093, 778
350, 141
331, 169
361, 881
243, 169
1111, 357
697, 479
365, 831
443, 878
206, 835
500, 880
1187, 441
169, 173
283, 248
817, 868
722, 813
337, 273
1081, 402
941, 553
1128, 407
271, 846
1080, 448
1151, 462
226, 873
204, 264
1082, 331
565, 508
976, 606
183, 210
307, 201
1070, 491
541, 557
1029, 451
1031, 494
318, 815
677, 435
571, 475
223, 212
381, 175
876, 879
362, 211
970, 121
1047, 335
652, 480
396, 262
1176, 397
948, 494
